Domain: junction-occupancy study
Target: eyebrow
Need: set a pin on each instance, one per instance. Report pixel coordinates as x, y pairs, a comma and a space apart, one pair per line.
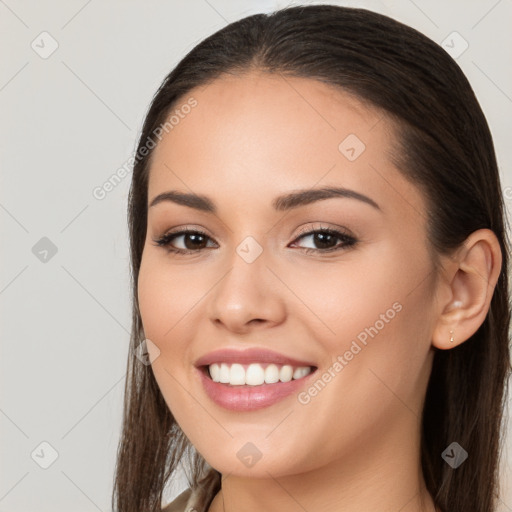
284, 202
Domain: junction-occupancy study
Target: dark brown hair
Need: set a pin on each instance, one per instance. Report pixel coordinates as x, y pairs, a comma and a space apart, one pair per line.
446, 150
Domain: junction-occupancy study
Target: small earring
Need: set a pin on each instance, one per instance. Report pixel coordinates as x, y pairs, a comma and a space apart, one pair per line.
451, 337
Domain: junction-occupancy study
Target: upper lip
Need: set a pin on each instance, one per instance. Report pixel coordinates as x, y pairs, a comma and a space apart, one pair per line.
250, 355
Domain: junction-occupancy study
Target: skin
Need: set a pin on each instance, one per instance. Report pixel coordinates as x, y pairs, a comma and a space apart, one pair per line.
355, 445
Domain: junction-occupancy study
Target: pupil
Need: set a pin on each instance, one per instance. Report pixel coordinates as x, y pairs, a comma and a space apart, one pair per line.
193, 237
320, 238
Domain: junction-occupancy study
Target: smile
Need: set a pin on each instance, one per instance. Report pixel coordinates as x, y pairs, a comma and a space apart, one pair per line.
240, 396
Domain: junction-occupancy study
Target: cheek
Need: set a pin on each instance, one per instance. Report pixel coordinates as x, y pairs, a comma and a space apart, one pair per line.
162, 306
165, 298
372, 317
375, 292
342, 298
169, 304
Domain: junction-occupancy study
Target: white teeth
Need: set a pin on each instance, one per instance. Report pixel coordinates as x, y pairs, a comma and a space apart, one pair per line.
301, 372
223, 373
255, 375
286, 373
237, 375
271, 374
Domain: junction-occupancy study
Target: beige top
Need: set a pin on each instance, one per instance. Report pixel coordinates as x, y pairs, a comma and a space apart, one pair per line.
199, 498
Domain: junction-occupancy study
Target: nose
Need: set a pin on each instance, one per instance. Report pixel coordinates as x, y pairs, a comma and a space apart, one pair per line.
247, 296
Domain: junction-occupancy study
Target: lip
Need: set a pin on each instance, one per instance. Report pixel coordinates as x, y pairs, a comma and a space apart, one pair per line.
247, 356
250, 398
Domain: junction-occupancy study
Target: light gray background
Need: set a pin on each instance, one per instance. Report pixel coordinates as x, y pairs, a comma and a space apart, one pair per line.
69, 121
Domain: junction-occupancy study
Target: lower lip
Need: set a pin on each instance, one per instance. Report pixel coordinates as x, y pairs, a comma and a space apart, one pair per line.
250, 398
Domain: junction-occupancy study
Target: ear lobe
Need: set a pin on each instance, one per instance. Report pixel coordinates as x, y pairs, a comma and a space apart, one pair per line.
471, 278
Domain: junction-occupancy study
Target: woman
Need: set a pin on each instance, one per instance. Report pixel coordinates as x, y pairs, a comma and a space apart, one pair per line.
319, 276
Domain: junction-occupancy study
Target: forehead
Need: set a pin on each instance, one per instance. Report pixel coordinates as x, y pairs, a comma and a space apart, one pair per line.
257, 135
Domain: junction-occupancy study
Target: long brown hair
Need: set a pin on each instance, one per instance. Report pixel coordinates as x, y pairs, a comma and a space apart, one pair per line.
446, 150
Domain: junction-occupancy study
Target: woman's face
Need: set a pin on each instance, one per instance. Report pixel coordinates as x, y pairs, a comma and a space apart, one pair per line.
263, 277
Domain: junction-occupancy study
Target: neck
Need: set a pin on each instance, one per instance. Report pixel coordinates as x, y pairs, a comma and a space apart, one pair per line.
380, 471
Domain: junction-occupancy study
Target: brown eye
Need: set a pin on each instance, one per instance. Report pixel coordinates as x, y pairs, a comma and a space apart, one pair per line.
192, 241
326, 240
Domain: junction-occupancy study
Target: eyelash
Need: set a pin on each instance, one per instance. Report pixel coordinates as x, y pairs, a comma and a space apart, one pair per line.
348, 241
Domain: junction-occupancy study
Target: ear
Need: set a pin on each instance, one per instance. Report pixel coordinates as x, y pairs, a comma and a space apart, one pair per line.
470, 277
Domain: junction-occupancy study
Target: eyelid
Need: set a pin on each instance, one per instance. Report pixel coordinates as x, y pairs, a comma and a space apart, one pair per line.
187, 228
319, 226
181, 231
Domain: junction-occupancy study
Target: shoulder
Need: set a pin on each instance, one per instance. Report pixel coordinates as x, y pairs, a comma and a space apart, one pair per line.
179, 503
197, 499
